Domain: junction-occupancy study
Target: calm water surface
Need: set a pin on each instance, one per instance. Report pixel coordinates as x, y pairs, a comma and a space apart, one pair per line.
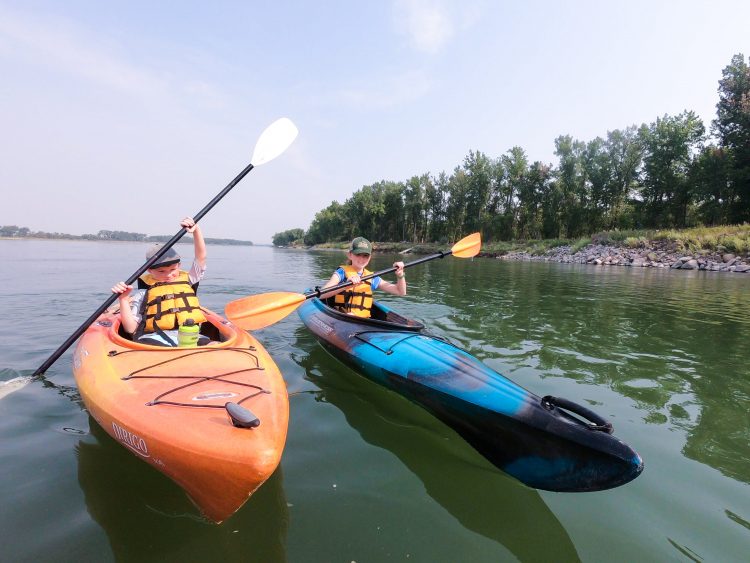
366, 475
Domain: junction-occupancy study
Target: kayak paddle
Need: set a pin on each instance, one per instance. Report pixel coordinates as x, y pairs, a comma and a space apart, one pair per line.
272, 142
259, 311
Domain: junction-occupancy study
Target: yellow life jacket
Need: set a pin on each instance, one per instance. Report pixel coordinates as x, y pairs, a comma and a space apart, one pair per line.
355, 300
168, 304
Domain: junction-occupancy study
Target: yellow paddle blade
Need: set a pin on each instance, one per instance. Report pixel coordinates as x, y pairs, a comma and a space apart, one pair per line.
467, 247
259, 311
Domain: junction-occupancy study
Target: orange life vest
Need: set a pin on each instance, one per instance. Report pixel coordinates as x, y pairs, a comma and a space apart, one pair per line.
167, 305
355, 300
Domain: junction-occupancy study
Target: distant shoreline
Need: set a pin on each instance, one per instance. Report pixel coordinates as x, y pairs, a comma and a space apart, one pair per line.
188, 241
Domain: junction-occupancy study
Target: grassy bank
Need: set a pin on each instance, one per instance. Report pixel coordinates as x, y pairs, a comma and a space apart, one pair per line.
731, 238
734, 239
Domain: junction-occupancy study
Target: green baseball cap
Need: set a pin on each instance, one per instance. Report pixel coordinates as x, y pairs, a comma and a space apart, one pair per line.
360, 245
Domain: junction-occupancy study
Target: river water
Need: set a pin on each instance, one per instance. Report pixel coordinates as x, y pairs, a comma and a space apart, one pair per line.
368, 476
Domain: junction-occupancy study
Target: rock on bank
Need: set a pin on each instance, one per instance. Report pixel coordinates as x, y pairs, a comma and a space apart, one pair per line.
653, 256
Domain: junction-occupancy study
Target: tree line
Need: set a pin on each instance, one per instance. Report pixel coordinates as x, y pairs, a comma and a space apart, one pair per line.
14, 231
671, 173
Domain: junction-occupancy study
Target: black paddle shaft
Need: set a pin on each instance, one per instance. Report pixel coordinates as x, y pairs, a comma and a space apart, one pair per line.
320, 291
111, 299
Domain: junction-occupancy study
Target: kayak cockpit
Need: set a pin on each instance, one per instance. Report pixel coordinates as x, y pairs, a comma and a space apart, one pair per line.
381, 316
216, 329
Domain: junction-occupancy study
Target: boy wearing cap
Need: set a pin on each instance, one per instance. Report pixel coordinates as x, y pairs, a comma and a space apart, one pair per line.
357, 299
166, 295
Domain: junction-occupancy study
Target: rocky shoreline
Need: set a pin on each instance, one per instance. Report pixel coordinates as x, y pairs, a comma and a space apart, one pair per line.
651, 255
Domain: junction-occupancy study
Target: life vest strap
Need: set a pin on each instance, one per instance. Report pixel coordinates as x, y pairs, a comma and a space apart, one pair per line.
353, 300
174, 310
349, 304
169, 296
158, 284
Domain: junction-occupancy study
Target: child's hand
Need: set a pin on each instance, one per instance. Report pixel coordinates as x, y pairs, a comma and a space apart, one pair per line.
189, 224
122, 289
354, 278
399, 269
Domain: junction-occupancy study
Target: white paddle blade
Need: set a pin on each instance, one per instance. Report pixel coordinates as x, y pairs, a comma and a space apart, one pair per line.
274, 140
7, 387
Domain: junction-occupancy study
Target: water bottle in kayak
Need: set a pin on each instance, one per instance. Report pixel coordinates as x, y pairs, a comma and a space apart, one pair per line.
187, 336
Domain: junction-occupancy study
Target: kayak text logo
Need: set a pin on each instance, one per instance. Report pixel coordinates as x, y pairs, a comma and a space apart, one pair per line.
134, 442
325, 329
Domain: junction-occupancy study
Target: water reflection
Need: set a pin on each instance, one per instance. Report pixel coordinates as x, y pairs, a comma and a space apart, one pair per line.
674, 342
147, 517
480, 497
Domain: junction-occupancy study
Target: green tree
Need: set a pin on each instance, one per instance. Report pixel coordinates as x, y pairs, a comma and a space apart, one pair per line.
511, 171
597, 168
551, 202
328, 225
436, 200
711, 176
572, 186
393, 205
670, 144
625, 152
415, 208
364, 212
732, 126
455, 213
285, 238
478, 174
531, 191
9, 231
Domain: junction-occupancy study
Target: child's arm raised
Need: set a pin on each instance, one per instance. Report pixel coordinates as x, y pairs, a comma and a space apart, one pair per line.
199, 245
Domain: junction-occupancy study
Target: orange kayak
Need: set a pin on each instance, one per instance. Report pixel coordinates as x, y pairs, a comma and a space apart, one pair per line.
213, 418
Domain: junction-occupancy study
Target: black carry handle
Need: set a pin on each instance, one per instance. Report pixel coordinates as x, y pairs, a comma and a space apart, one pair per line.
597, 422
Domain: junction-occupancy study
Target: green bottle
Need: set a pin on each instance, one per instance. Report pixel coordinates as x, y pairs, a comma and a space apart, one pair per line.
187, 336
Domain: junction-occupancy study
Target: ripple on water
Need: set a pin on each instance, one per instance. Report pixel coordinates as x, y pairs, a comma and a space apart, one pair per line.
641, 383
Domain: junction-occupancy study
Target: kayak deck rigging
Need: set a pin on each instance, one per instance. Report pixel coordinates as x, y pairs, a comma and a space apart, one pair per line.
392, 344
196, 379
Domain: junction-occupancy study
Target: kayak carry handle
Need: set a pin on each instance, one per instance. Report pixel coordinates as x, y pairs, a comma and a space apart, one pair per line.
241, 417
597, 422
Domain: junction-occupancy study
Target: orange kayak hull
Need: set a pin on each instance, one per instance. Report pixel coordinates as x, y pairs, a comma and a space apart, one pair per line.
167, 406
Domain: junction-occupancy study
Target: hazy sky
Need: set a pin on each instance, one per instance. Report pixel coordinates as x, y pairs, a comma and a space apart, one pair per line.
130, 115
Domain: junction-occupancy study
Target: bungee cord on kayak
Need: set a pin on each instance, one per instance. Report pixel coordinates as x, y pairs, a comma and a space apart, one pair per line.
241, 417
197, 378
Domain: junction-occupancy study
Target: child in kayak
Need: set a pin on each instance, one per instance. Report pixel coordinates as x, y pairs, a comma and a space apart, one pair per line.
165, 297
357, 299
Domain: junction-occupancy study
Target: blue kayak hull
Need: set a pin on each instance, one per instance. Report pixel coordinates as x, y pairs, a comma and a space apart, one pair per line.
536, 442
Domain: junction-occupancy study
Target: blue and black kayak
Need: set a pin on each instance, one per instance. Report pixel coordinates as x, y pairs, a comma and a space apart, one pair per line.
545, 442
